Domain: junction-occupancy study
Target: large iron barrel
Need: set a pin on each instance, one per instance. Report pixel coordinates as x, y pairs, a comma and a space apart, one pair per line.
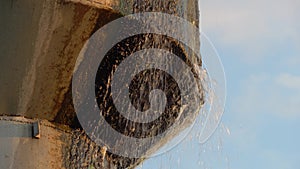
40, 43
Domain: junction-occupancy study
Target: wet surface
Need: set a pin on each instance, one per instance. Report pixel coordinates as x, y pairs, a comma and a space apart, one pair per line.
39, 77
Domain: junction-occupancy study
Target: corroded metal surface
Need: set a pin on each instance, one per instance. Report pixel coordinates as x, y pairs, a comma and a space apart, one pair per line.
41, 41
40, 62
187, 9
26, 152
63, 29
58, 147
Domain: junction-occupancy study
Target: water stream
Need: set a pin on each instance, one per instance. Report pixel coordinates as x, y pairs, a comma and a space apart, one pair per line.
202, 147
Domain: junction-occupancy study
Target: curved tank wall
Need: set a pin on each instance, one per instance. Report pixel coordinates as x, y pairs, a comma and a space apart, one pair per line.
40, 41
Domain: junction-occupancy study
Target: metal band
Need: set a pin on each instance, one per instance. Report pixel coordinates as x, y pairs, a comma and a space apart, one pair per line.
19, 127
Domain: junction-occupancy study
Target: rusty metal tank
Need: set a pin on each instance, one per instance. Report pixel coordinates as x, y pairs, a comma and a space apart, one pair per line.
40, 42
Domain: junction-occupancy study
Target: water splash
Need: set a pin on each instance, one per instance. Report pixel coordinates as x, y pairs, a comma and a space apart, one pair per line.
203, 146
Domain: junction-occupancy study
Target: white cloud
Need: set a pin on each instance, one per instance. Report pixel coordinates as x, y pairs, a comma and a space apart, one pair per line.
289, 81
293, 60
253, 28
266, 95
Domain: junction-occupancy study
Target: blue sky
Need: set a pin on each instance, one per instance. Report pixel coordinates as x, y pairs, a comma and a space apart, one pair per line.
259, 44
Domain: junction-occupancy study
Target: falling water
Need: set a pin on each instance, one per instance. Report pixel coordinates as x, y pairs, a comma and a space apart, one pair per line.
202, 146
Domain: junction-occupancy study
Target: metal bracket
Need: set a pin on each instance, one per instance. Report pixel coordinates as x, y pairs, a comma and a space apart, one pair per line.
19, 127
36, 130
